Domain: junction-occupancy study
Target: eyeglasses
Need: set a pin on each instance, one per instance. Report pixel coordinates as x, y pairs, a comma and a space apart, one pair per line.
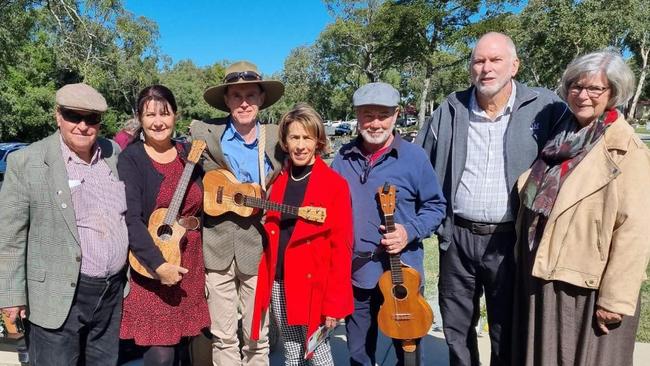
74, 117
592, 90
243, 75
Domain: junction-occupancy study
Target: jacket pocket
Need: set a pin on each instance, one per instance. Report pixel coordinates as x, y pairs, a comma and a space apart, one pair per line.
599, 240
36, 274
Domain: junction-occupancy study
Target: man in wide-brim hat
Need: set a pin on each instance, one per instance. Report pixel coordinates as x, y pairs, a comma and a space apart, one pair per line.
242, 145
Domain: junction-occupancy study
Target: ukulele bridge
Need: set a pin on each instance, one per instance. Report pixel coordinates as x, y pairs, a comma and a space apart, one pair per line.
402, 316
220, 194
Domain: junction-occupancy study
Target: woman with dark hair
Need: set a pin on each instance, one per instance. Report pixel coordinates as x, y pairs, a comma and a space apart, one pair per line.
163, 312
582, 228
305, 268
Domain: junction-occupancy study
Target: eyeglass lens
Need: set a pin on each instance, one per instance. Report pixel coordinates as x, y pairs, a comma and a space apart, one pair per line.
244, 75
74, 117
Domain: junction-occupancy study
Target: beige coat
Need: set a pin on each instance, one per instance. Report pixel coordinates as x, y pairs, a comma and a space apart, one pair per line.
598, 232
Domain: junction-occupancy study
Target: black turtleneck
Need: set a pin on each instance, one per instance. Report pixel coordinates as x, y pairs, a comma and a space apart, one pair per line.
293, 196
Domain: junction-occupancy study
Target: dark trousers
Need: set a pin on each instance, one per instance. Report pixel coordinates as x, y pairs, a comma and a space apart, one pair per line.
90, 334
473, 264
361, 329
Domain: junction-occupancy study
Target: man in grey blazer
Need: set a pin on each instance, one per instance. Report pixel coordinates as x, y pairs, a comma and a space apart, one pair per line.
63, 239
232, 245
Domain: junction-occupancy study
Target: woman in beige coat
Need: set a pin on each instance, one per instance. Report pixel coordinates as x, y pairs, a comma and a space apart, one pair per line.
584, 237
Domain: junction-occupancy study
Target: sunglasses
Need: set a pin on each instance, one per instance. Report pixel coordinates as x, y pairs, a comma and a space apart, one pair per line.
74, 117
243, 75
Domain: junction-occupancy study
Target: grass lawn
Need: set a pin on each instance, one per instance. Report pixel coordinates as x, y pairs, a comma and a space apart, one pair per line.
431, 287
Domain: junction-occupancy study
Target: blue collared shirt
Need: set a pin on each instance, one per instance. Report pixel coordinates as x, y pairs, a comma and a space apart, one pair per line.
242, 157
420, 205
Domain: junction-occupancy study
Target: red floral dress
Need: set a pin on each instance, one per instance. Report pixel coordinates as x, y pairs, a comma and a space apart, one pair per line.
156, 314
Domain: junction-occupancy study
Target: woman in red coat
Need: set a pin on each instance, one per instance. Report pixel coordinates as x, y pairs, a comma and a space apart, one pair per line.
305, 267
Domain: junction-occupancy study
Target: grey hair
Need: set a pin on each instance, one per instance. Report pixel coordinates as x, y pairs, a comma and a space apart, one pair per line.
611, 64
132, 124
509, 43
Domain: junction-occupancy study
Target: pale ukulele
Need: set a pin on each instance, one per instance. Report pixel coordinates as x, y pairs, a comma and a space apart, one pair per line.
163, 222
223, 193
404, 314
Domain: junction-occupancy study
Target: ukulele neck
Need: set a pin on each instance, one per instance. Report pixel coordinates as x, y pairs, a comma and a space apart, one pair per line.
263, 204
177, 199
394, 259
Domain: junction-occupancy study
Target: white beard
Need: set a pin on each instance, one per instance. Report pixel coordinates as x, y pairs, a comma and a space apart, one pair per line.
377, 139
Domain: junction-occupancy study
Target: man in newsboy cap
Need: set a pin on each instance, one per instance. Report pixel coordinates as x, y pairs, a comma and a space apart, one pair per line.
232, 245
378, 156
63, 239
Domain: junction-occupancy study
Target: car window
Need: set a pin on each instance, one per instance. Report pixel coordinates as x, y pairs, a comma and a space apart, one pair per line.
2, 154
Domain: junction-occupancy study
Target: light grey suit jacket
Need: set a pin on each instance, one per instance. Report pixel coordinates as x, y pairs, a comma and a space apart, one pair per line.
40, 253
229, 236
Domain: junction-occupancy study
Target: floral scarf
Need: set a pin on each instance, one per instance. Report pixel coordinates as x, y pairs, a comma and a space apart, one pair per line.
556, 161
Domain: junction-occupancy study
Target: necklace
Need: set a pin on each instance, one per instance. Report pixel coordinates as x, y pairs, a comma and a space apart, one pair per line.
299, 179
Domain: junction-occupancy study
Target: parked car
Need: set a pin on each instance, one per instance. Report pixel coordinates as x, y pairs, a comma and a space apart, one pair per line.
343, 129
7, 148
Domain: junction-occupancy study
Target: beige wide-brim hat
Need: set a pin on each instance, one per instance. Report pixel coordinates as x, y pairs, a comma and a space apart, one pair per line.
273, 89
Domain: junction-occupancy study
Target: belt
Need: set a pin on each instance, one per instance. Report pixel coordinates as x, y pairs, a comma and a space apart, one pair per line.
483, 228
189, 222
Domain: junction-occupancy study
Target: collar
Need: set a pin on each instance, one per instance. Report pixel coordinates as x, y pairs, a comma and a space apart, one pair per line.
231, 133
69, 155
507, 109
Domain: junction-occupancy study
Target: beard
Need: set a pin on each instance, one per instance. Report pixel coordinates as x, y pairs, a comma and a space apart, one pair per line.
491, 90
380, 135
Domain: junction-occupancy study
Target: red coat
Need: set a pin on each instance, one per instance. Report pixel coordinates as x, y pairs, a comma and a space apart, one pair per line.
317, 259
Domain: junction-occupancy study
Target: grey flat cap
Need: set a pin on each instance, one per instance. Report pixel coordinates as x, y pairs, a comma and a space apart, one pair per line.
376, 94
81, 97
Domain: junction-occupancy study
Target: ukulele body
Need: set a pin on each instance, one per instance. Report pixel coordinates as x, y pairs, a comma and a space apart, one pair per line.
404, 314
167, 240
223, 193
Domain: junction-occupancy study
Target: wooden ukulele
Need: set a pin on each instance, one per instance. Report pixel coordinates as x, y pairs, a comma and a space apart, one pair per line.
223, 193
404, 314
163, 222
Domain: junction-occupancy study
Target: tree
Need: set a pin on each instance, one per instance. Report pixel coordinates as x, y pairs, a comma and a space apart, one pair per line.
638, 42
433, 34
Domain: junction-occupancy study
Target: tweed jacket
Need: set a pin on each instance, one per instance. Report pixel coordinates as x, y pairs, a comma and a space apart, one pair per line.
597, 233
230, 236
40, 252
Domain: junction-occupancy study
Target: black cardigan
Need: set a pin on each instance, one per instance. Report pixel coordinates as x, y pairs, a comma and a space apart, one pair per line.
142, 183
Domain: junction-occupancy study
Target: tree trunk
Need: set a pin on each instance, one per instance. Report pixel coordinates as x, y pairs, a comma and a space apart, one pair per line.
639, 86
422, 110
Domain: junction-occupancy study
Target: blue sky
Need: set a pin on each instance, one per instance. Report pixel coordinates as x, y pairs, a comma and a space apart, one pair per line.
260, 31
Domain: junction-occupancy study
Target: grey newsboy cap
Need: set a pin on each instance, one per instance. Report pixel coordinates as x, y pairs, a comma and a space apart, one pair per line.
376, 94
81, 97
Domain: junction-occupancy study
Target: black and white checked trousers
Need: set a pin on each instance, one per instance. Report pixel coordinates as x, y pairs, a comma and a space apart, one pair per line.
294, 336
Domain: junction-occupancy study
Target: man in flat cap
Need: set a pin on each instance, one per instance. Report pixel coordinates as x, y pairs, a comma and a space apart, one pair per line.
378, 156
232, 245
63, 238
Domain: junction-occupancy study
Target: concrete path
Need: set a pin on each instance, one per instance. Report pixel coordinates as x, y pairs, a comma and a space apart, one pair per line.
435, 351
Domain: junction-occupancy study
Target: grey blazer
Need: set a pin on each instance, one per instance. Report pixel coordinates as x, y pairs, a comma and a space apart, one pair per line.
40, 253
230, 236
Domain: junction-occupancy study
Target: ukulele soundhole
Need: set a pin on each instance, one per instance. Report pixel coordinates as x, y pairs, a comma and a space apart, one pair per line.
400, 292
239, 198
165, 232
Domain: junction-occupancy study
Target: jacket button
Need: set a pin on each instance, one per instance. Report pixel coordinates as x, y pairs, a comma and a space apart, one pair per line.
272, 232
591, 282
73, 285
63, 205
59, 192
78, 259
308, 241
308, 275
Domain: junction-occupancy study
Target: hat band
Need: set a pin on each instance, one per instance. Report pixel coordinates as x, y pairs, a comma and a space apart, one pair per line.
243, 75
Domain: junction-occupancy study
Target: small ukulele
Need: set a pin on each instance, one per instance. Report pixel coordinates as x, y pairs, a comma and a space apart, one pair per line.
163, 222
223, 193
405, 314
